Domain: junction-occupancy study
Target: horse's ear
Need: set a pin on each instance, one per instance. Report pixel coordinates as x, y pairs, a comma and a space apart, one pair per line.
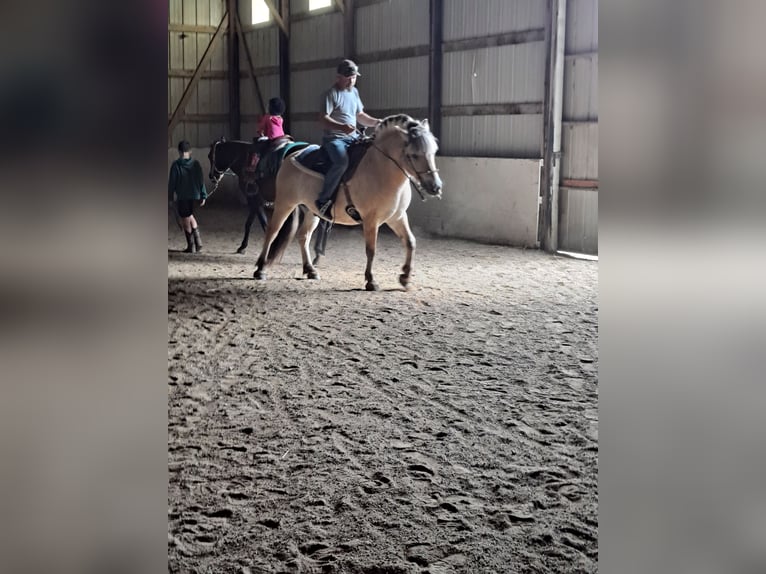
424, 123
223, 139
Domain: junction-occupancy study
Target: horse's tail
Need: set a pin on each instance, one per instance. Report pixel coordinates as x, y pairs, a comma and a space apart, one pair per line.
284, 237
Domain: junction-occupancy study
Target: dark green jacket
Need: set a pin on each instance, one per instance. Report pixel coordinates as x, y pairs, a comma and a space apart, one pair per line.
186, 180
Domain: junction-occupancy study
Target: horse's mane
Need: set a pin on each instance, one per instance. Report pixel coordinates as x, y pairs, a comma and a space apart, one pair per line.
420, 137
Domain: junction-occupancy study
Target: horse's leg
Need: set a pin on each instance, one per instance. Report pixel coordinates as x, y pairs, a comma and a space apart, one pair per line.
252, 206
401, 227
310, 223
370, 241
278, 218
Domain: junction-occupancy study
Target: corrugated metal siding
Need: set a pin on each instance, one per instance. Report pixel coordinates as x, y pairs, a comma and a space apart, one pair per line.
316, 38
582, 26
479, 18
504, 74
394, 24
580, 157
492, 136
581, 87
578, 224
263, 44
394, 84
248, 103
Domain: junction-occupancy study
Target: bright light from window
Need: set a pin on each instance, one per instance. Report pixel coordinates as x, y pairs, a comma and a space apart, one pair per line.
260, 12
317, 4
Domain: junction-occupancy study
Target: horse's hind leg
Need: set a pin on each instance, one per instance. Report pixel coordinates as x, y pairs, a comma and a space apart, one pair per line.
278, 218
310, 222
402, 229
370, 241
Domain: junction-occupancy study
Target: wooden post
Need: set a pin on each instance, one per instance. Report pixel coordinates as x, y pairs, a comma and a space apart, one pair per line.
179, 111
349, 29
234, 96
435, 67
284, 60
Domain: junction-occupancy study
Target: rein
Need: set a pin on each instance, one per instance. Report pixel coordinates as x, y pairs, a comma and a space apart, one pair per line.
418, 186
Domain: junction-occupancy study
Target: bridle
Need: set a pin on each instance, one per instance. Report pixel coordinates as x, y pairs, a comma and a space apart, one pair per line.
415, 181
218, 175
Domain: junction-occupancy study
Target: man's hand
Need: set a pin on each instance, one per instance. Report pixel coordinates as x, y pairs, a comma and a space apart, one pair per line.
348, 129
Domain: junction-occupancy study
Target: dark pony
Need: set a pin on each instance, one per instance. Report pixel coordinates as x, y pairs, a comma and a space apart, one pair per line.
236, 157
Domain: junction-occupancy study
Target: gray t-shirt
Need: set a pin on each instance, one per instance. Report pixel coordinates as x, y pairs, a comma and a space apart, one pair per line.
342, 106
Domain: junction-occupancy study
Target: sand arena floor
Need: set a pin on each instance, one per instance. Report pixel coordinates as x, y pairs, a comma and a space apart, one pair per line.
317, 427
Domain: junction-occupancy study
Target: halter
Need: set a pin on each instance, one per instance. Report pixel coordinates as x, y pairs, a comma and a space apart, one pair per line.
415, 182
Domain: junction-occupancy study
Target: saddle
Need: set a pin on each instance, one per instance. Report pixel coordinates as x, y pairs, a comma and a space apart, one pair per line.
317, 160
265, 157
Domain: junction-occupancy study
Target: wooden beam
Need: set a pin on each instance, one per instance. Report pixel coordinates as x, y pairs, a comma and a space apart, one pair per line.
435, 66
191, 28
394, 54
250, 65
277, 17
580, 183
221, 118
179, 111
211, 74
341, 7
506, 39
525, 108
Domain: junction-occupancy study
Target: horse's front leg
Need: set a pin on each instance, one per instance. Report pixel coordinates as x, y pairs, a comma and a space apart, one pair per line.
252, 206
401, 227
370, 241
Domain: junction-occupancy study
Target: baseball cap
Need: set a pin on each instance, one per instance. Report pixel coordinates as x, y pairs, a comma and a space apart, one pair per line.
348, 68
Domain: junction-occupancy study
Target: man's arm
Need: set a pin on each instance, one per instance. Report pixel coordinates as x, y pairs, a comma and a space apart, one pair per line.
367, 120
172, 182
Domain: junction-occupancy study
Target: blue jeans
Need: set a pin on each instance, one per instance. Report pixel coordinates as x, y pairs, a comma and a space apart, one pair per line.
337, 150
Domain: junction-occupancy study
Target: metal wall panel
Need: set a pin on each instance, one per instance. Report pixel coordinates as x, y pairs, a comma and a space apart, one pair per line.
306, 89
307, 131
578, 224
394, 84
504, 74
580, 151
581, 87
394, 24
492, 136
582, 26
479, 18
316, 38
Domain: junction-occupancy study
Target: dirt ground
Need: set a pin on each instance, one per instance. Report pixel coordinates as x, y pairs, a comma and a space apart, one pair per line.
317, 427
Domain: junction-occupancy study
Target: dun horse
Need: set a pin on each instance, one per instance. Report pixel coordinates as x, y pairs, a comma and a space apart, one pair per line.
378, 192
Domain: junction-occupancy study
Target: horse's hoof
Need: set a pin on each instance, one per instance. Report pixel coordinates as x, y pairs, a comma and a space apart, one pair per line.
260, 275
242, 250
404, 280
371, 286
313, 275
316, 259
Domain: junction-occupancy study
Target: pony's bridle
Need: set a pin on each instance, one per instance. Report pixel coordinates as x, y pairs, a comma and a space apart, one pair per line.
218, 175
415, 181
